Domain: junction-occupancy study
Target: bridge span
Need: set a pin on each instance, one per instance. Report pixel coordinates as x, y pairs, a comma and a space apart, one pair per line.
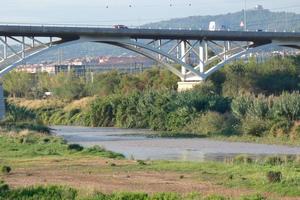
186, 48
199, 53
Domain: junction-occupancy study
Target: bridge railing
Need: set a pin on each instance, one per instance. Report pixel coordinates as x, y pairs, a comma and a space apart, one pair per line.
70, 25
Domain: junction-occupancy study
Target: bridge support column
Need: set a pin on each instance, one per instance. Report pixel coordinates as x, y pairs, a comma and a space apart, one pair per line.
183, 57
202, 56
2, 103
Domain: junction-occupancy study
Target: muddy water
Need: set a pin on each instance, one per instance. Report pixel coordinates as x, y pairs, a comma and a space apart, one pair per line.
134, 143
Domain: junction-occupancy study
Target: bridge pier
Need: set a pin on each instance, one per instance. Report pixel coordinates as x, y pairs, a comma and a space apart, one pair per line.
183, 58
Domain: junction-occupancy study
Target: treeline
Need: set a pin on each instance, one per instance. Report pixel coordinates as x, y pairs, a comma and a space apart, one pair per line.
69, 86
257, 99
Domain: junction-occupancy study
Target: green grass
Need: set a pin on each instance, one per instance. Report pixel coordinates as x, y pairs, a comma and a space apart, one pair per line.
27, 144
250, 176
66, 193
39, 193
15, 147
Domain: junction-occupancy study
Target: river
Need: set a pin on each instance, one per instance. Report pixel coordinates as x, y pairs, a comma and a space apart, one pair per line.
134, 143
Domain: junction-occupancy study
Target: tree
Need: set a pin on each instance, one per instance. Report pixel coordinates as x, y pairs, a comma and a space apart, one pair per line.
18, 84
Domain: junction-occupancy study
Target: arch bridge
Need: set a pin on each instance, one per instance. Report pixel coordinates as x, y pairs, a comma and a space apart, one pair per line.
189, 49
186, 48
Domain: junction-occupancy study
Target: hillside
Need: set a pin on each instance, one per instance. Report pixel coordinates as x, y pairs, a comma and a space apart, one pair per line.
256, 19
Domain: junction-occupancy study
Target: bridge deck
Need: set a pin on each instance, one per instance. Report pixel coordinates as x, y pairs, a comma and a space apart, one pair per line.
75, 32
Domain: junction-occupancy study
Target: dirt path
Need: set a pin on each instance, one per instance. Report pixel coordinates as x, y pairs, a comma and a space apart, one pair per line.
97, 175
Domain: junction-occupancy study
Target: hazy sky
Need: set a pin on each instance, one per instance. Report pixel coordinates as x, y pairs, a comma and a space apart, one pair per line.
129, 12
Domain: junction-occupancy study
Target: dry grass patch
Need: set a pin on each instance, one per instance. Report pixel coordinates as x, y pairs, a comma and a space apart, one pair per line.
37, 104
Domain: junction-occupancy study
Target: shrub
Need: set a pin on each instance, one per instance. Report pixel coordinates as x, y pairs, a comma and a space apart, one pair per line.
6, 169
102, 112
212, 123
3, 187
179, 118
75, 147
141, 162
241, 104
255, 126
274, 160
287, 105
280, 127
113, 164
274, 177
295, 131
17, 114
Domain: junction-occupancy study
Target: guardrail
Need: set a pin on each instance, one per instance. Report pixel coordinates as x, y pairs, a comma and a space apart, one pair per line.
133, 27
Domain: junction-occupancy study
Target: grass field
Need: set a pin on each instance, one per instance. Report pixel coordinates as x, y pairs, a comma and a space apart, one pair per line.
43, 160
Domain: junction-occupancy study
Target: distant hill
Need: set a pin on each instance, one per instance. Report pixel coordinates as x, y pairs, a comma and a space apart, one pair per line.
256, 19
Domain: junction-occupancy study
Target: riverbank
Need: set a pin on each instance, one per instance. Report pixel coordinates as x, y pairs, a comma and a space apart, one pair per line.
213, 125
89, 175
268, 139
39, 159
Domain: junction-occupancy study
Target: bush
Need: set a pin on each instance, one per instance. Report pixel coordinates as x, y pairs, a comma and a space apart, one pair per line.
274, 177
75, 147
241, 104
6, 169
3, 188
287, 105
18, 114
212, 123
102, 112
141, 162
255, 126
281, 127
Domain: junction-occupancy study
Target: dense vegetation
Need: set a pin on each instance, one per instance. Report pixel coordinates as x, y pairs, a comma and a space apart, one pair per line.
252, 99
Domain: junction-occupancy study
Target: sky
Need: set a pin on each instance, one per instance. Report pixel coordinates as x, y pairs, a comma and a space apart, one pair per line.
129, 12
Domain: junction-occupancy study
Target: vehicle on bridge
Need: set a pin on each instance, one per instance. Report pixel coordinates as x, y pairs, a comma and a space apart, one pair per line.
120, 26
